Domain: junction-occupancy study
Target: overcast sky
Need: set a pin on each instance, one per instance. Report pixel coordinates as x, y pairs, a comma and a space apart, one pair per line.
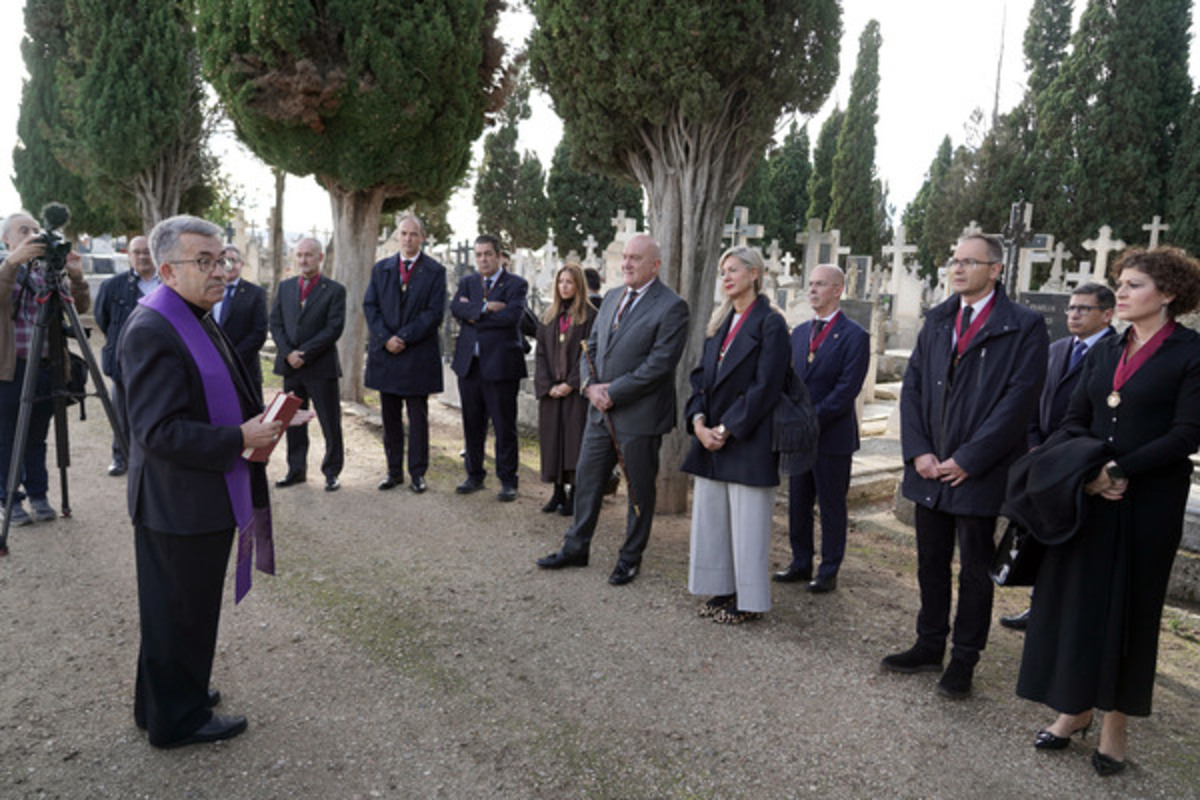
937, 64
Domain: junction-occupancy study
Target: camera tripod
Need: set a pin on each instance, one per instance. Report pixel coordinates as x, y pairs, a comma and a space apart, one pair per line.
56, 316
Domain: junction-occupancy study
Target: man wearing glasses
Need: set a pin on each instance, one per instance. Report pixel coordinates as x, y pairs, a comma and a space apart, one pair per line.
306, 322
242, 314
191, 414
1089, 318
969, 392
115, 301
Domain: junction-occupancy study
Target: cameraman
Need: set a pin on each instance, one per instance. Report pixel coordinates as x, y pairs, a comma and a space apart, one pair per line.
20, 283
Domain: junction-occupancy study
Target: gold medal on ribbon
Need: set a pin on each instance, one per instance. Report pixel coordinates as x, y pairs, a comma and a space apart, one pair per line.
562, 337
1114, 399
811, 356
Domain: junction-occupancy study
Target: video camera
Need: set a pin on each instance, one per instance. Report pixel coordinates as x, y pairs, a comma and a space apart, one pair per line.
54, 260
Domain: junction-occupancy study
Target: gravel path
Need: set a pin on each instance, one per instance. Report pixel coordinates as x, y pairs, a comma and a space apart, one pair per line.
410, 648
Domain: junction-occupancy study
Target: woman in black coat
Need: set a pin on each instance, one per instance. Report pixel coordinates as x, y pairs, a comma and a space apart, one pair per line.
562, 410
1092, 640
735, 389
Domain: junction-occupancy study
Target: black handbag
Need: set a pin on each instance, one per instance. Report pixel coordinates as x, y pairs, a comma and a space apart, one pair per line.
1018, 557
795, 429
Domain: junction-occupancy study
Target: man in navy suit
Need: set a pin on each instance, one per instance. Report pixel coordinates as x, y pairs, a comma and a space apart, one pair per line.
404, 306
1089, 318
489, 360
830, 353
242, 313
306, 321
191, 413
115, 301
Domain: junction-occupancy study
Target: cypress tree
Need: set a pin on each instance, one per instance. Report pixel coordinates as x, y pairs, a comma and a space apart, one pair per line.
852, 197
790, 172
583, 203
820, 182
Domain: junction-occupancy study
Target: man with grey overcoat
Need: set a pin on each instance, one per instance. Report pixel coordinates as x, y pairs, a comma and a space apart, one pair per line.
636, 344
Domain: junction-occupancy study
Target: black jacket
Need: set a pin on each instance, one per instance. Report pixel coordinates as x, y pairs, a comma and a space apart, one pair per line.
980, 417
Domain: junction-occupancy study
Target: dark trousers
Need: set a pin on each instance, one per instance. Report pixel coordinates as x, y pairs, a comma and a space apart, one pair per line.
393, 433
826, 484
937, 532
597, 457
117, 397
324, 395
495, 400
33, 469
180, 580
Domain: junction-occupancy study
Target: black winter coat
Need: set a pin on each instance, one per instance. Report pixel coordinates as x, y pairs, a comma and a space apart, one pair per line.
980, 417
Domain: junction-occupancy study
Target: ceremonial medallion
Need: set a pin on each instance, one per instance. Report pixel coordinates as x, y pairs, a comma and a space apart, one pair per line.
1114, 400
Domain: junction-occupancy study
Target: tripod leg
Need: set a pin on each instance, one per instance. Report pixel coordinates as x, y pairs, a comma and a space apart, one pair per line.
16, 464
97, 378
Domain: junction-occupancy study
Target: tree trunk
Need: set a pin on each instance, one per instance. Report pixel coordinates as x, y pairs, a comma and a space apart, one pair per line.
355, 229
278, 257
691, 174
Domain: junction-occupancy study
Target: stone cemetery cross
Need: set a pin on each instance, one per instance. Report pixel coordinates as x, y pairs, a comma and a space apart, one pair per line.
812, 238
786, 261
1058, 255
589, 244
549, 251
1102, 247
898, 251
619, 221
1156, 226
740, 231
972, 229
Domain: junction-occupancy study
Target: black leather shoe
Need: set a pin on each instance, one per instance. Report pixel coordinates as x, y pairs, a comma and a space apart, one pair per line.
116, 469
214, 698
559, 559
469, 485
418, 486
332, 484
1045, 740
792, 575
217, 728
1016, 622
822, 584
291, 479
623, 573
1106, 765
507, 494
955, 682
391, 482
914, 659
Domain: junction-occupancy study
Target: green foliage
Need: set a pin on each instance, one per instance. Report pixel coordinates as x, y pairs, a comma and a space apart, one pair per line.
436, 217
1046, 37
583, 203
1184, 209
788, 184
852, 197
40, 176
616, 84
132, 99
496, 183
531, 212
820, 181
357, 92
756, 196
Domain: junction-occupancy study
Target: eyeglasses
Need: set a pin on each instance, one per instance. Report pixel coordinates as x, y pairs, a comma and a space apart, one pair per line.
968, 263
139, 252
205, 263
1082, 309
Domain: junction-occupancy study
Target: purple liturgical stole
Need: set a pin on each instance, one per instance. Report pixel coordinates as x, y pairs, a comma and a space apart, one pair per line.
254, 524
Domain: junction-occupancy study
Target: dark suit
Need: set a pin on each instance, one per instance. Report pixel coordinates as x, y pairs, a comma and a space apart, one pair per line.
488, 380
115, 301
1061, 379
183, 518
313, 329
244, 319
976, 412
638, 361
834, 379
413, 312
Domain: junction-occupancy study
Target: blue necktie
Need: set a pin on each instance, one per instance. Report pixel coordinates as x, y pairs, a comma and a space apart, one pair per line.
1077, 354
225, 305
